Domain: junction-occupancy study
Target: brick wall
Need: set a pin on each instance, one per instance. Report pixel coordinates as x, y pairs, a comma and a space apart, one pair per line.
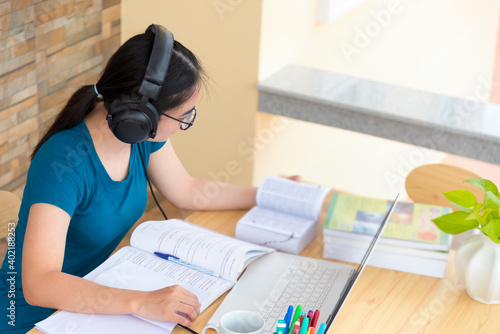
48, 48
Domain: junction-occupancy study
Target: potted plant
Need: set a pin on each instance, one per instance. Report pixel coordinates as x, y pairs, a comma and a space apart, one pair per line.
477, 261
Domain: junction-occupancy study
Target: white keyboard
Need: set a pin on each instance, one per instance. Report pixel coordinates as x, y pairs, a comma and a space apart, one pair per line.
304, 282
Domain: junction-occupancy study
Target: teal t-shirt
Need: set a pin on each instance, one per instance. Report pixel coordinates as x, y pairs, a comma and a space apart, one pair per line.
67, 172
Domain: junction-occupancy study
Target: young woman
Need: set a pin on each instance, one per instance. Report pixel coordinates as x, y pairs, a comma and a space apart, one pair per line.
86, 188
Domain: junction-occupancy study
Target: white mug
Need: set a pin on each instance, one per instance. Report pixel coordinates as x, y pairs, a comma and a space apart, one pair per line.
238, 322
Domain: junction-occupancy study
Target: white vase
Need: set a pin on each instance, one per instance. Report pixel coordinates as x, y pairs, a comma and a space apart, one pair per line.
477, 264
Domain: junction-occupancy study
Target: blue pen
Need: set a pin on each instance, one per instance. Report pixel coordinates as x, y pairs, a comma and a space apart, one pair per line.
321, 329
175, 259
288, 318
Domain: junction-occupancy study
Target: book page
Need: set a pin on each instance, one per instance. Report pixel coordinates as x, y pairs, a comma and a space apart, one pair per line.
294, 198
197, 245
68, 322
276, 222
138, 270
132, 269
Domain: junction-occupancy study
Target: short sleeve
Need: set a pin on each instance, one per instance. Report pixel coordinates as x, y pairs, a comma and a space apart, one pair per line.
54, 178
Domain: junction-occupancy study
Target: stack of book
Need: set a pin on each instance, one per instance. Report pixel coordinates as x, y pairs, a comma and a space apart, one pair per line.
410, 241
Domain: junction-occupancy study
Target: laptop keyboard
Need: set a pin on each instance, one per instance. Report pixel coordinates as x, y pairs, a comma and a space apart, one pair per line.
304, 282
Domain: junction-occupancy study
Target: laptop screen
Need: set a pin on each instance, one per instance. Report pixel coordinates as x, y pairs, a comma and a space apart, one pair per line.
361, 266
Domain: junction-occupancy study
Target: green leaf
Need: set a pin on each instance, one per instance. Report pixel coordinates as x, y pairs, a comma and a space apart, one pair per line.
483, 219
455, 222
474, 215
495, 213
492, 230
462, 199
491, 201
484, 185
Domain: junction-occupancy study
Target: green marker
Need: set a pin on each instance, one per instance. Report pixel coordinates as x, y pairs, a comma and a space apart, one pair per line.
296, 315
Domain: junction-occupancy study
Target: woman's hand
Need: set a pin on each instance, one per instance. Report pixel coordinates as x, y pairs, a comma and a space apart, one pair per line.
172, 303
296, 178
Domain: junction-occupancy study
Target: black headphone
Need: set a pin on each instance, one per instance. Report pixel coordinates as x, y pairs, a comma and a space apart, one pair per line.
132, 118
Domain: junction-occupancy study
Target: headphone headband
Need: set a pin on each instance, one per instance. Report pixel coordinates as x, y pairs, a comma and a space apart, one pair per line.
158, 61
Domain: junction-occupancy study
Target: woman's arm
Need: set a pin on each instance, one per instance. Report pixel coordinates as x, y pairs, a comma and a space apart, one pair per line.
185, 192
45, 285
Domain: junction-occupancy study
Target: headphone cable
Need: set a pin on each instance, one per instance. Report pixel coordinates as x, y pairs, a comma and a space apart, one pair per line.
164, 215
149, 182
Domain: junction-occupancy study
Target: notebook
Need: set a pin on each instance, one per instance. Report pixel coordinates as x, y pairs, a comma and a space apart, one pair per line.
273, 282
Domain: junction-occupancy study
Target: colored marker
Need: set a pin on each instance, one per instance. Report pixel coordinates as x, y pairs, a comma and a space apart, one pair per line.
288, 318
296, 316
321, 329
302, 316
315, 319
312, 330
296, 328
305, 326
280, 328
310, 315
175, 259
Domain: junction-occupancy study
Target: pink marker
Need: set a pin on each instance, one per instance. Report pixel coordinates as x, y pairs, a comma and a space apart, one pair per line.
296, 327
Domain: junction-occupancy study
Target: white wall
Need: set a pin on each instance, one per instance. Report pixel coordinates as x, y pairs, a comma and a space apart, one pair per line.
444, 46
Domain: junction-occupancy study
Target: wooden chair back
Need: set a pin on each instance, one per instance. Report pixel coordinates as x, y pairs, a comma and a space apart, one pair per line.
9, 210
427, 183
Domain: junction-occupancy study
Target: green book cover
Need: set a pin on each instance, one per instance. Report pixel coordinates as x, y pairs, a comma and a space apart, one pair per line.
362, 216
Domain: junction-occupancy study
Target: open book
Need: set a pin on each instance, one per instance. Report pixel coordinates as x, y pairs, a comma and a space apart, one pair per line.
136, 267
285, 216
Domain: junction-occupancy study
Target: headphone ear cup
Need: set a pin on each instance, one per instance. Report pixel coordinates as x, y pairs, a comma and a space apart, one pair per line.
129, 123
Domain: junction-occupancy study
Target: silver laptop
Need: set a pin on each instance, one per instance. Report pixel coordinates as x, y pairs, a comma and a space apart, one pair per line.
273, 282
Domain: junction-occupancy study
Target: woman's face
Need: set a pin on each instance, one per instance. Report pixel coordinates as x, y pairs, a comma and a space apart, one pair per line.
168, 126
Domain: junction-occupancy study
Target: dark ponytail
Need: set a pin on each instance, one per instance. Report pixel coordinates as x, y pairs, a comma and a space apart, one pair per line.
123, 74
80, 104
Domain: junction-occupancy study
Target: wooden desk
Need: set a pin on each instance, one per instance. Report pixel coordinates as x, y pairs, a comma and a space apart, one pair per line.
383, 301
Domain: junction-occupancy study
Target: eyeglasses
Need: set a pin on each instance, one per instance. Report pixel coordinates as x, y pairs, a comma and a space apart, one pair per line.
188, 120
